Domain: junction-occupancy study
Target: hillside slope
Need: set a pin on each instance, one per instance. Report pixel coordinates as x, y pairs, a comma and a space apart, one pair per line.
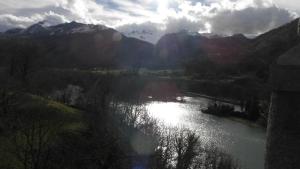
266, 48
179, 48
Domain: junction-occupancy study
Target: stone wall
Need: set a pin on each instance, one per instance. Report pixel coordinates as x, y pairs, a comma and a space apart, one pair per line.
283, 143
283, 138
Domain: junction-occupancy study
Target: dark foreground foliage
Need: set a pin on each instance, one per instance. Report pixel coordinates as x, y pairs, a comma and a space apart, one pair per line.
63, 126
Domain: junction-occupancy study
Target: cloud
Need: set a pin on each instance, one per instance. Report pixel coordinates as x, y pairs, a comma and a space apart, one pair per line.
8, 21
292, 5
218, 16
249, 21
146, 31
150, 26
225, 17
153, 31
52, 18
10, 6
178, 24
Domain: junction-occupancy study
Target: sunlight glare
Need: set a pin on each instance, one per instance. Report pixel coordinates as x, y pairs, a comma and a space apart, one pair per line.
163, 6
169, 113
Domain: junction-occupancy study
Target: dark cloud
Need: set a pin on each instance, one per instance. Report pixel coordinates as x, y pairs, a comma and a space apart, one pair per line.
249, 21
179, 24
108, 3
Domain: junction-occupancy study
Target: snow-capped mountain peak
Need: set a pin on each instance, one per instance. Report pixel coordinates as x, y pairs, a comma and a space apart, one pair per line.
42, 28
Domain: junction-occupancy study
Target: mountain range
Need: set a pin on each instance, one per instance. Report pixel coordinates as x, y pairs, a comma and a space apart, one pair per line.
77, 45
83, 46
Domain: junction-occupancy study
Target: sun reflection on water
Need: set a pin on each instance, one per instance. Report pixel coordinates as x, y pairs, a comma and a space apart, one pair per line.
170, 113
244, 142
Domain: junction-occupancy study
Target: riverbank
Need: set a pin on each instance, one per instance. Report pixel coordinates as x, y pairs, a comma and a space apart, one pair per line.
235, 115
225, 100
248, 122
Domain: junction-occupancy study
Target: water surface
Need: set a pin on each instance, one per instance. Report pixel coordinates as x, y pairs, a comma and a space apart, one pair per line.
242, 139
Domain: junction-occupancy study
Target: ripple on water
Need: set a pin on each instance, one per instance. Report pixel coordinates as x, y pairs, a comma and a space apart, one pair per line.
244, 142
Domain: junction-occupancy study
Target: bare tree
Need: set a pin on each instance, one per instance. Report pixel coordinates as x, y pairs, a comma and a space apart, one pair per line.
36, 129
164, 154
186, 146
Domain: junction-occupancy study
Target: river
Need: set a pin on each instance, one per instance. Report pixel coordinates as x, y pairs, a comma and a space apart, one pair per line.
244, 140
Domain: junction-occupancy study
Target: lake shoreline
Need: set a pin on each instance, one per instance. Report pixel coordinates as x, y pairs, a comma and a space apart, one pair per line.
234, 116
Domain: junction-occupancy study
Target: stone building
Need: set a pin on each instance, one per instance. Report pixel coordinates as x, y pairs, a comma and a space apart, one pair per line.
283, 138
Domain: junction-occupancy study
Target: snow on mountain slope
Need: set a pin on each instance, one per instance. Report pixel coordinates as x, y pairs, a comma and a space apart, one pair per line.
36, 29
145, 35
154, 35
41, 28
74, 27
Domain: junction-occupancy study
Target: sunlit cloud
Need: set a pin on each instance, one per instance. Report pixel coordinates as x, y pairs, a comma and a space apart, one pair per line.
241, 16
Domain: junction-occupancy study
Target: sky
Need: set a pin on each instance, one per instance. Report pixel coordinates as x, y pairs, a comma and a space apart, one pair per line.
224, 17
